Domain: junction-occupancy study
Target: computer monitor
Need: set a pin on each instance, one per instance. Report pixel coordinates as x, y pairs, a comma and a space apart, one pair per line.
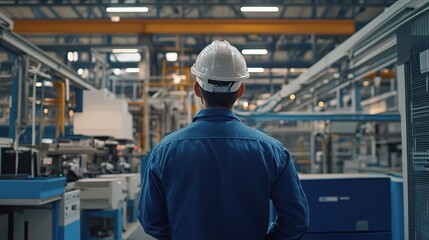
27, 161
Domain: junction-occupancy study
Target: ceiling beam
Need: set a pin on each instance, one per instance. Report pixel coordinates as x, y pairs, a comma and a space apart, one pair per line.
155, 3
250, 63
164, 47
186, 26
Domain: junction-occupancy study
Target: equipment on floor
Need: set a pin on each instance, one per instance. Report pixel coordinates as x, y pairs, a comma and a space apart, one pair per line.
347, 206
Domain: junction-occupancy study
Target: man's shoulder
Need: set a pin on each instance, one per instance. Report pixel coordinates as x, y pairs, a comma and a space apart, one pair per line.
174, 136
259, 135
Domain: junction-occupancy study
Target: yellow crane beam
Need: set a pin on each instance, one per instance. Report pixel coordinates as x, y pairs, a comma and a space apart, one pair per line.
186, 26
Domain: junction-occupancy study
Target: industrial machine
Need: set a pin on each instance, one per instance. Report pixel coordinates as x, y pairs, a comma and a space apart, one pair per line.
26, 159
30, 208
133, 182
348, 206
102, 193
102, 198
357, 206
69, 220
397, 193
133, 190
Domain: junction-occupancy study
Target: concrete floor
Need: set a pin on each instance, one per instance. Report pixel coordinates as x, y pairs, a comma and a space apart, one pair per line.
138, 233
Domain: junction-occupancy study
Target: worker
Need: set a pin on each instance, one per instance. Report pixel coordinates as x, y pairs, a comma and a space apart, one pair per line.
213, 180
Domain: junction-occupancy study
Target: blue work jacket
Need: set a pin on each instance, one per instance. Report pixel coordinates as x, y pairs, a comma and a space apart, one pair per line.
213, 180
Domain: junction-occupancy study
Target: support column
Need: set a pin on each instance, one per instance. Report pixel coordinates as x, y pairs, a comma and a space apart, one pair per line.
340, 101
357, 106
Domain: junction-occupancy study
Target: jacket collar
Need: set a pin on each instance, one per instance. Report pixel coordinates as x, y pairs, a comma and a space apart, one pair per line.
215, 114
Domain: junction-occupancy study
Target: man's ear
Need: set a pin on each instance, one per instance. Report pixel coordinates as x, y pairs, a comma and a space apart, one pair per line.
197, 89
240, 91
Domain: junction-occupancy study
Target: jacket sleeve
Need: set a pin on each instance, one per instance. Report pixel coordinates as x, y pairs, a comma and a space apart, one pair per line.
291, 205
152, 212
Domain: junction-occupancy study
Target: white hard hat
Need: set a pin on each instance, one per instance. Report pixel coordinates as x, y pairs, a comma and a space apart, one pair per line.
220, 61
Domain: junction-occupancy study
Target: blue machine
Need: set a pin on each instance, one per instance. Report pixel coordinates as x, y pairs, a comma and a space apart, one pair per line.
397, 192
348, 206
28, 195
69, 220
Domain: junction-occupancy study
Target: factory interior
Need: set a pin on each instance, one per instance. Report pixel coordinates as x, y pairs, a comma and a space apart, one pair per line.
89, 87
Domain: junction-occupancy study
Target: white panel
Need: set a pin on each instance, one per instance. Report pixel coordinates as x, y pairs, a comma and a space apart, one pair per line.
104, 115
113, 124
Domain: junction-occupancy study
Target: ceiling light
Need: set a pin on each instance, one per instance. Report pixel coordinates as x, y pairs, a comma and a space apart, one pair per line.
321, 104
245, 104
48, 84
292, 70
171, 56
254, 51
177, 79
72, 56
115, 18
132, 70
125, 50
47, 140
125, 57
80, 71
255, 69
127, 9
39, 84
366, 83
117, 71
292, 97
259, 9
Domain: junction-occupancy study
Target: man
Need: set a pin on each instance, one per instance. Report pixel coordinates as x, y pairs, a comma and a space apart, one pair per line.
214, 178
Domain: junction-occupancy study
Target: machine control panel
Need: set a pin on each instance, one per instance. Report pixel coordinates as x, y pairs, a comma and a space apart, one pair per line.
70, 207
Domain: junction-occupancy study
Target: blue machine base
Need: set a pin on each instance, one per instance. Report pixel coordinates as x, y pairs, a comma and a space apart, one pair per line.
116, 215
132, 211
70, 232
32, 188
348, 236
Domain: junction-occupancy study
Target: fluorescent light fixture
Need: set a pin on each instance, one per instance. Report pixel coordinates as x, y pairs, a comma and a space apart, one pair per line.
127, 9
259, 9
39, 84
47, 140
125, 57
255, 70
254, 51
171, 56
125, 50
132, 70
48, 84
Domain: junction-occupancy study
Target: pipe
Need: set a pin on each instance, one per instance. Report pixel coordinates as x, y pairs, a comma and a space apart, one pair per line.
18, 115
33, 107
59, 109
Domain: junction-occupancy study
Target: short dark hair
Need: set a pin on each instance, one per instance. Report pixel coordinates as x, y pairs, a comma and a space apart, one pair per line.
225, 100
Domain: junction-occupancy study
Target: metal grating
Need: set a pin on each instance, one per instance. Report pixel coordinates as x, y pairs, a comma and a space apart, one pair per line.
417, 109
